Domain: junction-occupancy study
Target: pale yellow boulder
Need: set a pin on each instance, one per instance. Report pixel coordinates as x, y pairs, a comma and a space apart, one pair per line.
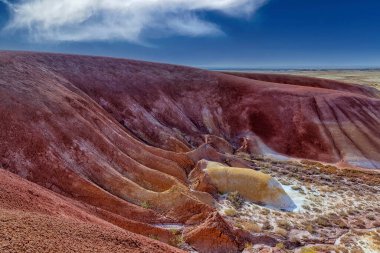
252, 185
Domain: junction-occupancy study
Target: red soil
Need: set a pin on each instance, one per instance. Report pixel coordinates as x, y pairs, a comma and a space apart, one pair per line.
34, 219
107, 134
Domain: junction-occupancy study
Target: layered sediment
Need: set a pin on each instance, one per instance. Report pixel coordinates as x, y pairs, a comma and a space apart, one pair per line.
119, 138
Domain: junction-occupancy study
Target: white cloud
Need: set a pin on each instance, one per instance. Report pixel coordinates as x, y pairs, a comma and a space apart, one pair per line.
130, 20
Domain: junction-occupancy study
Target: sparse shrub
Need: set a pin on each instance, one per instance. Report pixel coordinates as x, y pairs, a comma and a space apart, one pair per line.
285, 182
322, 221
311, 163
330, 248
297, 226
333, 216
251, 227
236, 199
284, 224
357, 250
243, 155
267, 226
359, 223
177, 241
351, 211
341, 223
290, 214
343, 214
360, 207
308, 250
376, 238
145, 204
239, 225
280, 245
248, 246
265, 211
174, 231
280, 231
230, 212
296, 187
258, 157
309, 228
371, 217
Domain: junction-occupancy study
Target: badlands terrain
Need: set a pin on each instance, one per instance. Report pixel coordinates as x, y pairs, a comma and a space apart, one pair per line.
111, 155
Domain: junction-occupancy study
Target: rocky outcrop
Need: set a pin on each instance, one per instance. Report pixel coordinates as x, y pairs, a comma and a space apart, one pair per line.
253, 185
214, 235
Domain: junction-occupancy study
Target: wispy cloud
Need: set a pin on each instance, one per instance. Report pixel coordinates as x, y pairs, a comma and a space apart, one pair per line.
129, 20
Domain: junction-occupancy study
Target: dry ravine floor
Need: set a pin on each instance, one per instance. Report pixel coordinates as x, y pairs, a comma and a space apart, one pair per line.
338, 210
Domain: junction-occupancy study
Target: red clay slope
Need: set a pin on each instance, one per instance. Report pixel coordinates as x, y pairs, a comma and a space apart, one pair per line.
34, 219
171, 107
120, 135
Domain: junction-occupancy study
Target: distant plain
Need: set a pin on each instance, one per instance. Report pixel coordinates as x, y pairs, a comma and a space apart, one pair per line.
368, 77
363, 77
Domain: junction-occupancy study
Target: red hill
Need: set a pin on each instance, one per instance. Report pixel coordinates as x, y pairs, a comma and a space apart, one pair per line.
118, 138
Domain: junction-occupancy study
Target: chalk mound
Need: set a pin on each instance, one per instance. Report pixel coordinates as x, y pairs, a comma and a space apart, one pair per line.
252, 185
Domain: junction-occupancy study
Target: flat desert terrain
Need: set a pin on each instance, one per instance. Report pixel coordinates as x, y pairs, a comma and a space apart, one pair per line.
363, 77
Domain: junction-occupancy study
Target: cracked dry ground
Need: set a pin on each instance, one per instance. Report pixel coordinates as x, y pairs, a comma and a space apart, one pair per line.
338, 209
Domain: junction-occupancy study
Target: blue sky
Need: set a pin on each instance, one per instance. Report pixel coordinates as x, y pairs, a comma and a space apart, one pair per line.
238, 34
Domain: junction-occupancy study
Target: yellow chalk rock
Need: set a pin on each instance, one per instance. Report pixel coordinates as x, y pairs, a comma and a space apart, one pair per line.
252, 185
